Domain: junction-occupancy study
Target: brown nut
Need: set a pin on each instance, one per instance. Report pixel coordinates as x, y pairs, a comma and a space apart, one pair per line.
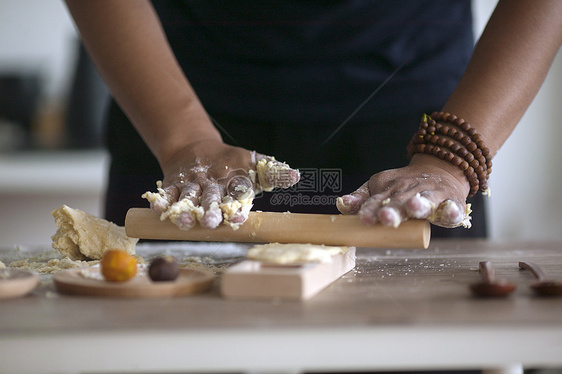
163, 268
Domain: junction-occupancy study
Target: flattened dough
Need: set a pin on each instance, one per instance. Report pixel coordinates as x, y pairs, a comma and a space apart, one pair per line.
82, 236
286, 254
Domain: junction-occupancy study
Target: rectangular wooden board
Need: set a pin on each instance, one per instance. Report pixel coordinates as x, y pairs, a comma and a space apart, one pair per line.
252, 280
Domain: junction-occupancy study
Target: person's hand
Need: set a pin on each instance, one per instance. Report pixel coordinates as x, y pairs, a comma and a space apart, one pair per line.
428, 188
212, 182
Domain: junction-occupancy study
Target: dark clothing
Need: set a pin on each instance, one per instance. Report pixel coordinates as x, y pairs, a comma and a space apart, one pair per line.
334, 88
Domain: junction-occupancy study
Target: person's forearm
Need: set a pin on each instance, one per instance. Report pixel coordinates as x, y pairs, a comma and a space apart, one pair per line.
128, 46
509, 64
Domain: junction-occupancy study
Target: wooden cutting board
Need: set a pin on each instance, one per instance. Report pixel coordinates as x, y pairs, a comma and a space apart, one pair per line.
271, 227
73, 282
254, 280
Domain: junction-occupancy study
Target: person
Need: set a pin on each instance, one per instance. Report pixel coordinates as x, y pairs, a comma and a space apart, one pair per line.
335, 89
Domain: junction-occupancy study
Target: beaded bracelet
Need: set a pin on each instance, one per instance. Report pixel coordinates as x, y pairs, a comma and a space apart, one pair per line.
452, 139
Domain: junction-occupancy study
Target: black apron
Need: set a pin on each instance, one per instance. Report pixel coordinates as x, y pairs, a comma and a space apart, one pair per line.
334, 88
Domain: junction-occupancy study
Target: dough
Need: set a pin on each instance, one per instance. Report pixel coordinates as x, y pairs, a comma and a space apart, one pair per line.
435, 217
286, 254
231, 207
175, 211
82, 236
265, 172
156, 198
52, 266
268, 174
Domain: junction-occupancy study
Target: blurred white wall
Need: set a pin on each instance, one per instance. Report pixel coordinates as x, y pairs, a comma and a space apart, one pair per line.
526, 177
525, 181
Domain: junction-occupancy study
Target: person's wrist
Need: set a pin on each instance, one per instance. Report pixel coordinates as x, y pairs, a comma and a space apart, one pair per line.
452, 139
433, 163
196, 144
191, 127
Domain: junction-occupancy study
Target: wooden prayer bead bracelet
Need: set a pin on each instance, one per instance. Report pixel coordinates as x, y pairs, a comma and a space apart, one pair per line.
452, 139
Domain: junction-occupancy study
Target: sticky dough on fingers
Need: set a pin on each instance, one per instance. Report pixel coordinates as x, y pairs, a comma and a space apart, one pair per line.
211, 197
182, 213
235, 211
368, 212
238, 201
419, 207
214, 205
390, 216
232, 209
377, 209
351, 203
450, 214
270, 174
160, 200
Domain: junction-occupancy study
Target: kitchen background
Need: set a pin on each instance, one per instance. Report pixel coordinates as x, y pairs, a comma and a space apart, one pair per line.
52, 156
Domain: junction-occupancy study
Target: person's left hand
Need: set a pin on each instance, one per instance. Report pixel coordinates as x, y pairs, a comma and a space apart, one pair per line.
428, 188
211, 182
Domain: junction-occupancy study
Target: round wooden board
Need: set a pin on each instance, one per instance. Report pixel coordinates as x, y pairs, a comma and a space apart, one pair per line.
16, 282
190, 281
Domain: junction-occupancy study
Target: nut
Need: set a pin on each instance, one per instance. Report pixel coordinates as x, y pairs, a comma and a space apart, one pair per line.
163, 268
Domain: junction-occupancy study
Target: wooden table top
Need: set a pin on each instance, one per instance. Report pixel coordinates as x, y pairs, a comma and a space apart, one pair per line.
398, 309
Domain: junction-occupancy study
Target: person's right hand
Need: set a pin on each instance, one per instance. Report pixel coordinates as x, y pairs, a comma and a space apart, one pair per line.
211, 182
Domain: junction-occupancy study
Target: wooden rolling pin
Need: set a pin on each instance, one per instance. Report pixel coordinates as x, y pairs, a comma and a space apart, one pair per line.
270, 227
